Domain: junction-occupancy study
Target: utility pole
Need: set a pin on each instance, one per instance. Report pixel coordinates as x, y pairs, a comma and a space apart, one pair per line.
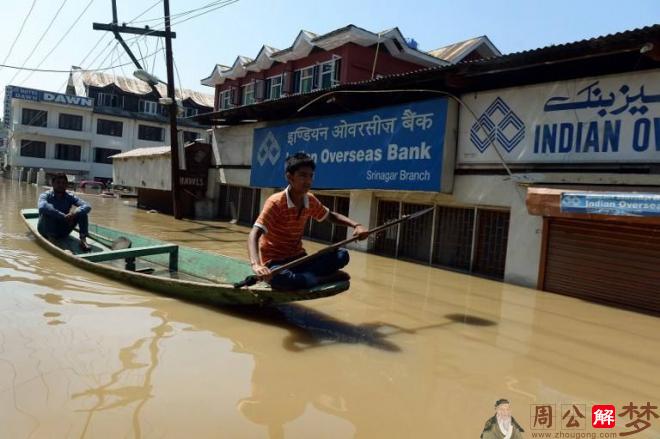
173, 107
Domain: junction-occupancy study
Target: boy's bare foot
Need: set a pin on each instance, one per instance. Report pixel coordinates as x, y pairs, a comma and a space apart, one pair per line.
84, 246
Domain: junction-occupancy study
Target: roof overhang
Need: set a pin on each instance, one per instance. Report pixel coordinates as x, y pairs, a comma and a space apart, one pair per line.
306, 41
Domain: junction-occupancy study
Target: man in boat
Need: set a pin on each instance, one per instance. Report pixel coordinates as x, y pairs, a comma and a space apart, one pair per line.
56, 218
276, 237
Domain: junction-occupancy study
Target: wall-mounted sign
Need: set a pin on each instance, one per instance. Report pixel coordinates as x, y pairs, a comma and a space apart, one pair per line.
29, 94
198, 161
397, 148
624, 204
613, 118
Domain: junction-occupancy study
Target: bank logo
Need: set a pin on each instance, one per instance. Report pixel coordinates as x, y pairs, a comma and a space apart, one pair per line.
269, 150
572, 200
499, 125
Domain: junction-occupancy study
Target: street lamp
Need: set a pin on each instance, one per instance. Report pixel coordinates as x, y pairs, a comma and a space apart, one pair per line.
148, 77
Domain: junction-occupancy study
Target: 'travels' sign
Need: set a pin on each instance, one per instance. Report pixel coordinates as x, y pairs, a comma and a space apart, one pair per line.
612, 118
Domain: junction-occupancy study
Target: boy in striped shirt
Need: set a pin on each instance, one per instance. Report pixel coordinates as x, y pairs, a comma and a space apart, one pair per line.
276, 237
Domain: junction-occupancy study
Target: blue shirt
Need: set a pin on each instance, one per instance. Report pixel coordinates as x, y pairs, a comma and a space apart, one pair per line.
54, 208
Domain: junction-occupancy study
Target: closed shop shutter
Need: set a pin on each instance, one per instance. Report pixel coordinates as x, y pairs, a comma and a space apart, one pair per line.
609, 262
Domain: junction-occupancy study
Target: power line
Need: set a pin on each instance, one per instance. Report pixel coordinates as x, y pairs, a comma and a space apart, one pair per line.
40, 39
100, 69
20, 31
60, 40
218, 5
179, 14
102, 37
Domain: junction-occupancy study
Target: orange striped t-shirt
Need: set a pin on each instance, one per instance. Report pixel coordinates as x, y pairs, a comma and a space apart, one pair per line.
283, 225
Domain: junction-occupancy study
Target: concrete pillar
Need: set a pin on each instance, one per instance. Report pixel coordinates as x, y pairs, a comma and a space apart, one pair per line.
41, 177
523, 254
19, 174
28, 177
362, 208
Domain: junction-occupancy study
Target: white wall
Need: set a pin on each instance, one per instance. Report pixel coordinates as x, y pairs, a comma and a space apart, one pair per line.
153, 172
88, 139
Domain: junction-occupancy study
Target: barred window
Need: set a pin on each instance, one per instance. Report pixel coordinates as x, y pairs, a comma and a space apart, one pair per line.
32, 148
70, 122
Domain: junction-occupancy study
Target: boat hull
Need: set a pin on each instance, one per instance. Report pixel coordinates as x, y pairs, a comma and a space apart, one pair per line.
199, 276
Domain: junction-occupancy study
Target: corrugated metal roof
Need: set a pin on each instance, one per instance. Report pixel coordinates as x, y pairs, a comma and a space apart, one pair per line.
455, 53
136, 86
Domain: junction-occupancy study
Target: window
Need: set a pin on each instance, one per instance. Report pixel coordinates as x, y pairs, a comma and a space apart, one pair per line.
248, 94
68, 152
306, 80
146, 132
239, 203
35, 118
101, 155
107, 100
274, 87
109, 127
31, 148
469, 239
148, 107
327, 231
190, 112
330, 74
71, 122
191, 136
323, 75
225, 99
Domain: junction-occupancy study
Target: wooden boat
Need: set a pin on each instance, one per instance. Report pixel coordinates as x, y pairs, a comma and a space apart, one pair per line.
169, 269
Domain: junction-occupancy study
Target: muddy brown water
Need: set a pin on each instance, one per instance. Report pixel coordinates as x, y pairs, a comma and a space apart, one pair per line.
408, 352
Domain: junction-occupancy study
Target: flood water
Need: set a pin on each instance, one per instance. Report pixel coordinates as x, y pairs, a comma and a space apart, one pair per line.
408, 352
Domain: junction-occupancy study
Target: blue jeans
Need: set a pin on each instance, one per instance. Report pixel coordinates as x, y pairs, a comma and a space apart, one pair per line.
307, 275
59, 228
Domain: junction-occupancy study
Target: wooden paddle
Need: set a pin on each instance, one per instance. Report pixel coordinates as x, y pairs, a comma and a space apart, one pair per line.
251, 280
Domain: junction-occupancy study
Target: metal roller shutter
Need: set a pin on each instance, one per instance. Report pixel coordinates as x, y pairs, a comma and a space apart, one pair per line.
608, 262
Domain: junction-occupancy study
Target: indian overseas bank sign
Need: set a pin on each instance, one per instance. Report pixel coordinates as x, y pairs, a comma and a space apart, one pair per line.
606, 119
623, 204
395, 148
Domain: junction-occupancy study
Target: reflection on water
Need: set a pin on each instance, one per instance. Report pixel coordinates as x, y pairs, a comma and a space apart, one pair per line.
409, 351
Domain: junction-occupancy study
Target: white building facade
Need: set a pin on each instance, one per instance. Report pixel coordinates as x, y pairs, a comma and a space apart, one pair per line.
76, 135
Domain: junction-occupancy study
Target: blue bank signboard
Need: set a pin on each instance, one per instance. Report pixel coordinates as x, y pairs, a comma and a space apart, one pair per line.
611, 203
396, 148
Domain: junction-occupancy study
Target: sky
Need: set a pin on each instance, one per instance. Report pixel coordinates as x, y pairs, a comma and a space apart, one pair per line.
242, 27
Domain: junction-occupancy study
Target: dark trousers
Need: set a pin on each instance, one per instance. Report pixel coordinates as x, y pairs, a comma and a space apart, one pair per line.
307, 275
60, 228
